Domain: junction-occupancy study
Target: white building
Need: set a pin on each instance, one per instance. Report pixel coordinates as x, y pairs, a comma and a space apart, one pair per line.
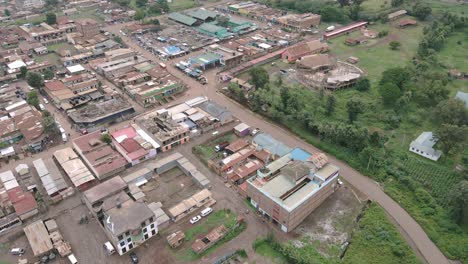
423, 146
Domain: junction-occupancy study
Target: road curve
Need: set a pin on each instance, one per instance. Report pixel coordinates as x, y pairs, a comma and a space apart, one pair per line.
409, 228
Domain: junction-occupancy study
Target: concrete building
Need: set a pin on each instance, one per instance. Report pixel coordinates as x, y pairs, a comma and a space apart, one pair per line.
288, 189
45, 34
424, 146
51, 178
87, 27
196, 201
102, 158
299, 22
228, 58
127, 223
302, 49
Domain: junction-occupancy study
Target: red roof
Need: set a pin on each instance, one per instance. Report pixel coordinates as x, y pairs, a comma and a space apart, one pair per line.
130, 132
130, 145
54, 85
23, 202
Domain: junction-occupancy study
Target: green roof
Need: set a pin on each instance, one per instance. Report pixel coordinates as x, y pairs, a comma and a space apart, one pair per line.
202, 14
237, 22
183, 19
211, 28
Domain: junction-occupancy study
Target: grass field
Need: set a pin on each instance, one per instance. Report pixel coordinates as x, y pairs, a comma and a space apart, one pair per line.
179, 5
376, 56
206, 151
266, 249
454, 55
377, 241
215, 219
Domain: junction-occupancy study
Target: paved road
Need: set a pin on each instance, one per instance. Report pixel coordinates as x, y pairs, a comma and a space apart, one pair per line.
409, 228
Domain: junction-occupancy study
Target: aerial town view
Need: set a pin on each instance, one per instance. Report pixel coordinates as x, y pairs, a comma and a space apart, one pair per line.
234, 132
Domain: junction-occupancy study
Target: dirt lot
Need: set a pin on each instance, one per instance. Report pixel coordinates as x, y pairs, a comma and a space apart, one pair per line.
332, 223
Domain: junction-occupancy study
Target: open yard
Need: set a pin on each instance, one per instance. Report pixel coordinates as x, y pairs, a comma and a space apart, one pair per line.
206, 151
376, 56
454, 55
178, 5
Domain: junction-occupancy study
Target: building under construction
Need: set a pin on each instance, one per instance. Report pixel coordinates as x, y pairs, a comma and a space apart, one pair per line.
96, 113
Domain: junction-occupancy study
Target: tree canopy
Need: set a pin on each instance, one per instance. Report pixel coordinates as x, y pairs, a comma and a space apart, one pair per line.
259, 77
35, 79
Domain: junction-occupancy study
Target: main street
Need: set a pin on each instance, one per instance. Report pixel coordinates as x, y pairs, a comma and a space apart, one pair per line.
407, 226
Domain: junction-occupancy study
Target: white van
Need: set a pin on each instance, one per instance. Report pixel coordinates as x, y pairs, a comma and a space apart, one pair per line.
109, 248
17, 251
41, 107
64, 137
206, 211
72, 259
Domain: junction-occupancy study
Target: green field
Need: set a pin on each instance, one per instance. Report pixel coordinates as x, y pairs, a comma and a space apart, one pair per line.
378, 241
206, 151
454, 55
376, 56
179, 5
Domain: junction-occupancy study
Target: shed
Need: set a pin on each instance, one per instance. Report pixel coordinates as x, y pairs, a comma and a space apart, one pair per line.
183, 19
139, 177
22, 169
51, 225
175, 239
38, 238
242, 129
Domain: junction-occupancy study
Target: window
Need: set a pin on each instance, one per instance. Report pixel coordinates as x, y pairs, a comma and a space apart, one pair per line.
143, 224
129, 239
122, 244
124, 250
152, 225
153, 232
120, 237
144, 230
130, 246
151, 219
127, 233
146, 236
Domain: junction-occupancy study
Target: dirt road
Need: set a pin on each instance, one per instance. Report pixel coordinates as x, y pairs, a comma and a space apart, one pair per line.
410, 229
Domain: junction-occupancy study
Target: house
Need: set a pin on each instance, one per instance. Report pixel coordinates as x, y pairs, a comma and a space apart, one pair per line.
396, 14
407, 22
423, 146
184, 208
134, 144
175, 239
315, 62
462, 97
299, 21
75, 169
242, 129
38, 238
345, 29
297, 51
102, 158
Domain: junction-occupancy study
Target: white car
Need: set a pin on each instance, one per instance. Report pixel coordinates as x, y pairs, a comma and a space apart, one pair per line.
255, 131
195, 219
45, 100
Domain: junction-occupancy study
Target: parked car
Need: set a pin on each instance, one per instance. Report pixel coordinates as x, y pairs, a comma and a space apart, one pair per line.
17, 251
206, 211
221, 146
255, 131
45, 100
72, 259
134, 257
109, 248
42, 107
195, 219
84, 131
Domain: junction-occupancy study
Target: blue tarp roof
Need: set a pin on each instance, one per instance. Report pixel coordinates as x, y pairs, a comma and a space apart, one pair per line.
266, 141
172, 49
300, 154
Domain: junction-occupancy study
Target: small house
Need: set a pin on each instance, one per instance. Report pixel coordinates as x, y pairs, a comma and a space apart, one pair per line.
242, 130
423, 146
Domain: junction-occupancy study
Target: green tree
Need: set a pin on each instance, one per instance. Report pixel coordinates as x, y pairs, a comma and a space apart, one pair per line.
331, 103
236, 92
33, 99
139, 15
333, 14
354, 108
451, 111
155, 9
396, 3
23, 72
222, 20
459, 201
164, 5
34, 79
106, 138
363, 85
48, 75
394, 45
259, 77
397, 75
51, 3
451, 137
51, 18
155, 22
7, 12
354, 11
118, 39
285, 97
141, 3
390, 93
49, 125
421, 10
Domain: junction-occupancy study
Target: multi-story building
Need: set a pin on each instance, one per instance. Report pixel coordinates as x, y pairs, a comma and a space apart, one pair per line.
299, 21
45, 34
127, 223
288, 189
87, 27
